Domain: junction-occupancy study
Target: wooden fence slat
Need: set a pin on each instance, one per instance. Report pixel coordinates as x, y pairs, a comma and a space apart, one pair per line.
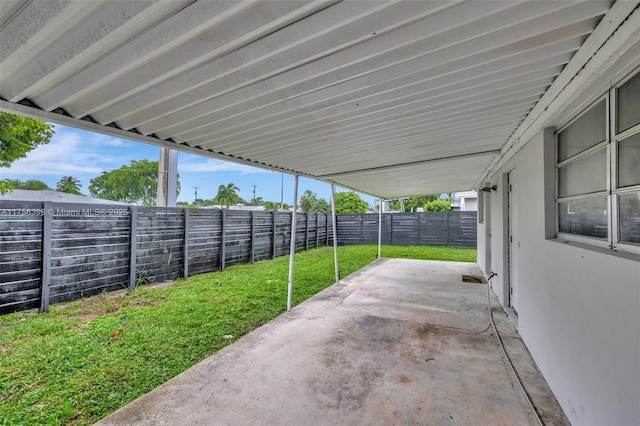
185, 249
306, 231
252, 249
273, 234
223, 237
46, 256
133, 216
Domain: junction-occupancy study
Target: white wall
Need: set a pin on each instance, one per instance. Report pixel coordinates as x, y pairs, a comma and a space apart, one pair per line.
469, 204
578, 310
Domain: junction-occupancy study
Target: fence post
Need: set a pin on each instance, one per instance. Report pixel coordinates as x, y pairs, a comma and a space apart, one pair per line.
273, 233
362, 228
185, 252
47, 217
253, 237
133, 235
448, 230
223, 238
306, 231
391, 220
326, 228
317, 230
418, 230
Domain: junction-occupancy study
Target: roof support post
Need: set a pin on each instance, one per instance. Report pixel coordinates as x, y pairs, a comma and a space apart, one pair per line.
334, 218
167, 178
292, 248
380, 229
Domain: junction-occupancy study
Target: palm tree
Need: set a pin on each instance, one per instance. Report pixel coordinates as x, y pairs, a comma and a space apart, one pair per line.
70, 185
307, 201
227, 195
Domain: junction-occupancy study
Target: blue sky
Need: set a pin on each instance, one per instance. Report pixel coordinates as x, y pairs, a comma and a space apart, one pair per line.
85, 155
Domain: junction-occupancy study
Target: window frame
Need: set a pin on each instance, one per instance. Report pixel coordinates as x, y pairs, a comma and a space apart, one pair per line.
612, 191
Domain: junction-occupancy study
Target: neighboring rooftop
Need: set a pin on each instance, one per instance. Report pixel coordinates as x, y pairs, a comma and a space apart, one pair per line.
54, 196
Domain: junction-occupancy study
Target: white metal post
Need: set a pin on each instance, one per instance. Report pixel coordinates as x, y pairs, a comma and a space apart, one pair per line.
167, 178
335, 231
380, 229
292, 249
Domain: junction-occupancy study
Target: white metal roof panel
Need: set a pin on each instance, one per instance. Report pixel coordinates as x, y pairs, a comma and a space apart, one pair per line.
387, 97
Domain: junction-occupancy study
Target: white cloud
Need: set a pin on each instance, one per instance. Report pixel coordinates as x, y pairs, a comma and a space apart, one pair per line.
195, 164
69, 152
112, 142
84, 155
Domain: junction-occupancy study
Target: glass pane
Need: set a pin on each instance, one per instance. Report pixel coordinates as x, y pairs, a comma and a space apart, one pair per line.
630, 218
588, 174
586, 217
629, 104
589, 130
629, 161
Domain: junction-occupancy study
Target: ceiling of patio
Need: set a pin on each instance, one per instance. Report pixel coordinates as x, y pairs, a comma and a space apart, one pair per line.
391, 98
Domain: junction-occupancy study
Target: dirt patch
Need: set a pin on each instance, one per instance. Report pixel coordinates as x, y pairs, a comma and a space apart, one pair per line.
161, 285
403, 379
86, 317
106, 303
432, 330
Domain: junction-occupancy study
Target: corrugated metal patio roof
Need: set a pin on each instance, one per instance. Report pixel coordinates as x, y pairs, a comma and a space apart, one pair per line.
391, 98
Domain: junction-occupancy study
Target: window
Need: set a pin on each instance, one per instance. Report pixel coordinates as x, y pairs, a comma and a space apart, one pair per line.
598, 171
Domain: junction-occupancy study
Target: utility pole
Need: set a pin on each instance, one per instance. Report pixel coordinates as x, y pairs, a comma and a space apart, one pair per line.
196, 188
281, 192
254, 193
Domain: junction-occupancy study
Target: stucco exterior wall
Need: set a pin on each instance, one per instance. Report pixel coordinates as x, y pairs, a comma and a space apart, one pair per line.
578, 308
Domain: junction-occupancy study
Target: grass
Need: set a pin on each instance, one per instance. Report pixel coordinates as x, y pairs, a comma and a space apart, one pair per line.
87, 358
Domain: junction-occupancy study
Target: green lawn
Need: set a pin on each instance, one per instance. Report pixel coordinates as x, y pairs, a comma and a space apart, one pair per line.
86, 358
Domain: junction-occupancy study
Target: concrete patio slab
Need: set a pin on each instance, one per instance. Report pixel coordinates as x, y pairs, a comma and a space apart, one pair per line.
401, 342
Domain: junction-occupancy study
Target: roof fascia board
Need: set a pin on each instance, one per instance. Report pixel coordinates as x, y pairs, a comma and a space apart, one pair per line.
412, 163
618, 30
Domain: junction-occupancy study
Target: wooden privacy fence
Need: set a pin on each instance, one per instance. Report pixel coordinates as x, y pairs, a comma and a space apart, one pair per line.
451, 228
53, 252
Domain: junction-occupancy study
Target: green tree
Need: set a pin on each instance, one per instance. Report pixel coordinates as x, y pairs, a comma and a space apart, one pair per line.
411, 204
70, 185
133, 183
307, 200
31, 184
227, 195
350, 202
272, 206
437, 205
35, 185
19, 135
258, 201
5, 187
310, 203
